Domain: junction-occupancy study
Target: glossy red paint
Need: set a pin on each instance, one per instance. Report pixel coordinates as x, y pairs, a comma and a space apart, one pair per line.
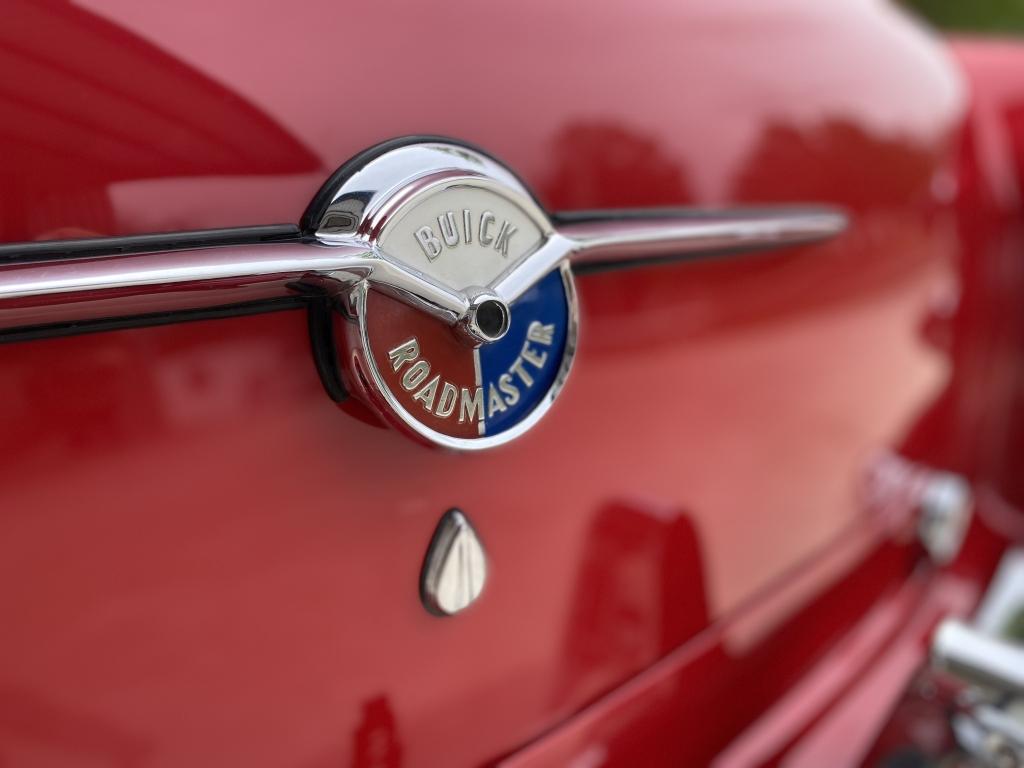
988, 392
830, 715
206, 562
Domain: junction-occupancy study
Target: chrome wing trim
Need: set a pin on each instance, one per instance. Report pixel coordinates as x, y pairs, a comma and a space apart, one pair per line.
604, 240
70, 289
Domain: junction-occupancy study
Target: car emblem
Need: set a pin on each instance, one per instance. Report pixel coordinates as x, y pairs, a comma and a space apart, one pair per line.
440, 293
464, 333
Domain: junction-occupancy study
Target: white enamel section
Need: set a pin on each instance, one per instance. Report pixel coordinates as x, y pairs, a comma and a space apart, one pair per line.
461, 236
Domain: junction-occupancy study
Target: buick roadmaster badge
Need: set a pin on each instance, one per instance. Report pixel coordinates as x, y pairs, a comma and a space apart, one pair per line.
466, 335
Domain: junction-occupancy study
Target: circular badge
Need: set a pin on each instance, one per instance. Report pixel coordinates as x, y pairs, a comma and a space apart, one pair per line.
451, 227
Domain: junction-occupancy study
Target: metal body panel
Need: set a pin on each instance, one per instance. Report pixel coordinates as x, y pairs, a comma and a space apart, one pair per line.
207, 562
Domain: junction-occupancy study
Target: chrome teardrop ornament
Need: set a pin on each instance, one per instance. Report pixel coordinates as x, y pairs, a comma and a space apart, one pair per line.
455, 570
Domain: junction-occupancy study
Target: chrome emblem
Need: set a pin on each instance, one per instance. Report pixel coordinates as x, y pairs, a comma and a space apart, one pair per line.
463, 333
440, 294
455, 570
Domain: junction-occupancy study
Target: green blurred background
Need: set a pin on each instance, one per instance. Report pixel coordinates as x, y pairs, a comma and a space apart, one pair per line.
1000, 16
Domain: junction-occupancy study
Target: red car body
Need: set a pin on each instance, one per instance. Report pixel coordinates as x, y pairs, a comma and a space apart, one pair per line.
207, 562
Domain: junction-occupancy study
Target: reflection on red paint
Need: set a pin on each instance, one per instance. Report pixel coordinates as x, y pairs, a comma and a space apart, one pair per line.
376, 743
88, 104
640, 593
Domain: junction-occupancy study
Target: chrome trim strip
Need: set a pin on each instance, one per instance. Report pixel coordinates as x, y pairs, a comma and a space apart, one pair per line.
72, 290
39, 293
198, 266
682, 234
669, 234
69, 289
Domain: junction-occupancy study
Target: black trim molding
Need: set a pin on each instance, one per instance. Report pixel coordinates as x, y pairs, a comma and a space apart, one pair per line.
46, 250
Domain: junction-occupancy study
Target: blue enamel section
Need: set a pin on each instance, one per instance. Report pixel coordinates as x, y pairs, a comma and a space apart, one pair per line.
513, 361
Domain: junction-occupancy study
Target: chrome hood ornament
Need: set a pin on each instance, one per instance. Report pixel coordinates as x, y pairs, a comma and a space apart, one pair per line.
455, 569
441, 294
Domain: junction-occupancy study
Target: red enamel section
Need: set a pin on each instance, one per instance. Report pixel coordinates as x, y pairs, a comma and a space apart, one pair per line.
391, 324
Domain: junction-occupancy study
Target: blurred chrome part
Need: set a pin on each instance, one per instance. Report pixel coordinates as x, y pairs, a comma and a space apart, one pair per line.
945, 512
912, 496
978, 658
988, 657
455, 570
1002, 609
993, 735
